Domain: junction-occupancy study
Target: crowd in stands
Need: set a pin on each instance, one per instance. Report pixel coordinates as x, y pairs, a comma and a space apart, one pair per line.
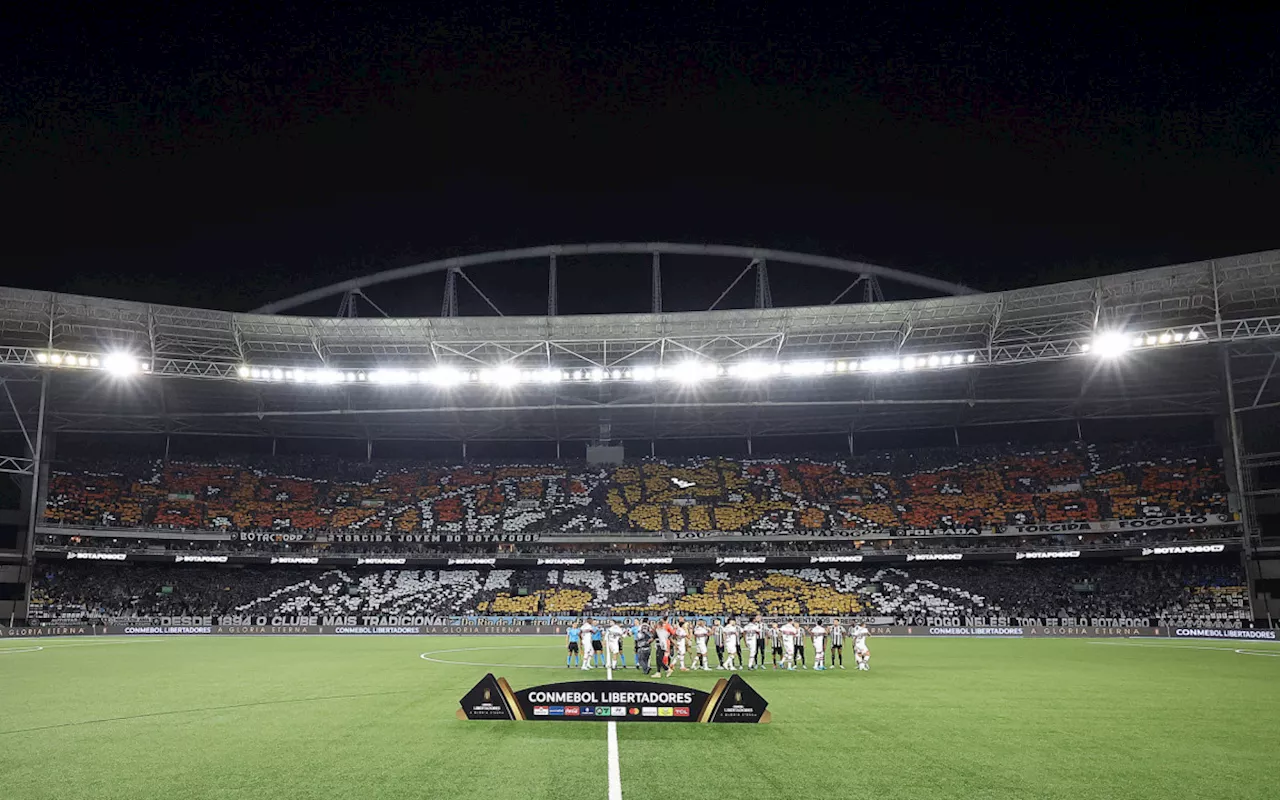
1204, 590
935, 488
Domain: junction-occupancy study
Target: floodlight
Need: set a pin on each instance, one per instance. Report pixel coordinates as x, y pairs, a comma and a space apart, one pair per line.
692, 371
1177, 337
644, 373
327, 376
390, 377
277, 374
55, 359
882, 364
445, 376
548, 375
94, 362
120, 364
43, 358
842, 366
807, 368
1193, 335
933, 361
242, 371
597, 374
504, 376
1111, 344
970, 358
910, 362
1165, 338
753, 370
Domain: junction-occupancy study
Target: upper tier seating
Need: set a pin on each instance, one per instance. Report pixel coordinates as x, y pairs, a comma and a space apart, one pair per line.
975, 486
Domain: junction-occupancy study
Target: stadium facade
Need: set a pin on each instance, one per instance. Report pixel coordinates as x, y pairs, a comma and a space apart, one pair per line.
1191, 341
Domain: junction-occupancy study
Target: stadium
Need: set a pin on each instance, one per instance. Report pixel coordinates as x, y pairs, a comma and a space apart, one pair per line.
275, 550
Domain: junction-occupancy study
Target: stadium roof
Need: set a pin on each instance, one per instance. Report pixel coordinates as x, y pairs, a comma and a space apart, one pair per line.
1027, 354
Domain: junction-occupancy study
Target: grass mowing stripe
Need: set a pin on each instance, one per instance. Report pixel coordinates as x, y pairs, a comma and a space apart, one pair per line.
615, 774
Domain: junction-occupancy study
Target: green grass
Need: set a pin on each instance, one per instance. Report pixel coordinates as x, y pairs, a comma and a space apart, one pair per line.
284, 718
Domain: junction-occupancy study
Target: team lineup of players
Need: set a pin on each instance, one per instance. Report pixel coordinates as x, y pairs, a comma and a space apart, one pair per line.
664, 646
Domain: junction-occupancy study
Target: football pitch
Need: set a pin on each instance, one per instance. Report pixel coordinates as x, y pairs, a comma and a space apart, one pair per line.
283, 717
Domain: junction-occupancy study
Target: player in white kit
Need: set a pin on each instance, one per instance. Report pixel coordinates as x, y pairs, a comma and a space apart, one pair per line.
682, 642
700, 634
819, 635
751, 633
861, 653
586, 630
730, 644
789, 631
613, 643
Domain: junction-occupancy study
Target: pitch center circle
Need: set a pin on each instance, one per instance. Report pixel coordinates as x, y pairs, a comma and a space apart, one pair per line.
427, 656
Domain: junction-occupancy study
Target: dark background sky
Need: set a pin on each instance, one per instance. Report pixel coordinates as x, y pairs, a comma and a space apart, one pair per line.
230, 155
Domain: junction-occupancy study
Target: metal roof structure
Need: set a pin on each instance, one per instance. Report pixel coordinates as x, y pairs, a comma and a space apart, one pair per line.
1005, 357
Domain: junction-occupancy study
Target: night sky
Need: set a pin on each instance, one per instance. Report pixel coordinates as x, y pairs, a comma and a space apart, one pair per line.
193, 154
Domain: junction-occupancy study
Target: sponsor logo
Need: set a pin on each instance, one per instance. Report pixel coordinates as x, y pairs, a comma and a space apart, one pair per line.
563, 561
666, 711
96, 556
1053, 554
740, 559
1223, 633
489, 562
649, 711
681, 711
380, 561
294, 560
556, 711
588, 711
201, 559
617, 711
834, 559
633, 711
603, 711
648, 561
975, 631
1185, 548
935, 556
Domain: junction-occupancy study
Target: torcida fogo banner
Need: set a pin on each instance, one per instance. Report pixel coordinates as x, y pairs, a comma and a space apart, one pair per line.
730, 700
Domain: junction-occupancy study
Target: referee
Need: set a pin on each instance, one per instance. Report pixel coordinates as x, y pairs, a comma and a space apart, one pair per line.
717, 630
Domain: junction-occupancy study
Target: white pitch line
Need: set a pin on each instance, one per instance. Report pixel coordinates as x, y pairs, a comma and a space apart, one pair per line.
35, 649
427, 656
1227, 649
615, 775
63, 643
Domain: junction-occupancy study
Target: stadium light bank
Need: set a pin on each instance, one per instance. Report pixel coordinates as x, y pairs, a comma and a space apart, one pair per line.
1107, 344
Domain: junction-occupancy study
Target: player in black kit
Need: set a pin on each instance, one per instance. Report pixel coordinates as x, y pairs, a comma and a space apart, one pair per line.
837, 632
